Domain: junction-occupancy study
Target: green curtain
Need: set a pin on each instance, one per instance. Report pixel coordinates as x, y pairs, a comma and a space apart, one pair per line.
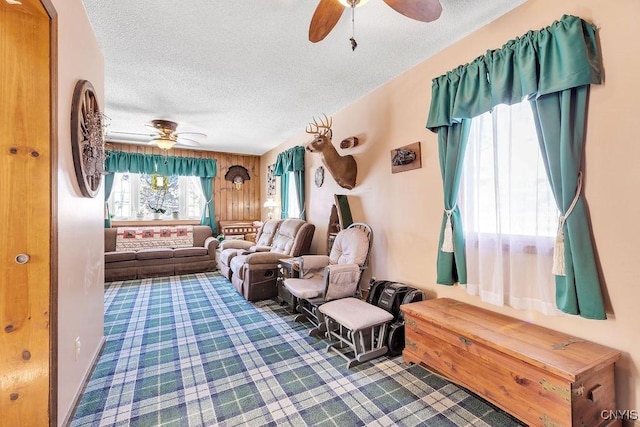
539, 63
291, 160
206, 169
208, 214
299, 177
118, 161
451, 263
284, 195
560, 119
108, 186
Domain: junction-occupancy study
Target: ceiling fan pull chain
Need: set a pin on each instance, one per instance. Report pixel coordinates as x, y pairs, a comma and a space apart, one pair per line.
354, 45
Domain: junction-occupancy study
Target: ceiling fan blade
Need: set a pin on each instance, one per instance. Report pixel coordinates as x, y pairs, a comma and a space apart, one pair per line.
190, 133
112, 132
187, 142
325, 17
424, 10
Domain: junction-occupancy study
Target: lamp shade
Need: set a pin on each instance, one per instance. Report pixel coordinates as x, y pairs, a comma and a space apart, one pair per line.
270, 203
164, 143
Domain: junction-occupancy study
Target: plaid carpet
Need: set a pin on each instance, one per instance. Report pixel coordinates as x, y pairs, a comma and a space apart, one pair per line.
190, 351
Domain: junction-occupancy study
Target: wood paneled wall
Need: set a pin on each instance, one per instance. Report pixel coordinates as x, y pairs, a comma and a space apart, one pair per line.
230, 204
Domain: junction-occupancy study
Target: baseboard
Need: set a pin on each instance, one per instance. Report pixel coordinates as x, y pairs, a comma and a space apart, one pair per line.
85, 381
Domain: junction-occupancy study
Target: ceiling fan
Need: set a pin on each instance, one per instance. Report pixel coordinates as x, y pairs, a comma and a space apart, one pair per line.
165, 135
328, 14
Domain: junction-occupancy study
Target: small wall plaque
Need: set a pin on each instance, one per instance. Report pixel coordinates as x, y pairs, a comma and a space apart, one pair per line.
406, 158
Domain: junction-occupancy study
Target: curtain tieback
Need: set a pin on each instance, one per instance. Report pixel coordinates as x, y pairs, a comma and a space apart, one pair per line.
447, 239
558, 250
207, 211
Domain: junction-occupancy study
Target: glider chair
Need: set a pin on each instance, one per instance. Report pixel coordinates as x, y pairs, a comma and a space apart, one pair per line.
324, 278
254, 274
230, 248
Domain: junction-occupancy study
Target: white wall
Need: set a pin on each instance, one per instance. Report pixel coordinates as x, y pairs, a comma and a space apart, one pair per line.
79, 219
405, 209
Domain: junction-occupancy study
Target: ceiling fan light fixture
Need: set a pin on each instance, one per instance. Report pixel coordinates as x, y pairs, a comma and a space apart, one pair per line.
164, 143
353, 3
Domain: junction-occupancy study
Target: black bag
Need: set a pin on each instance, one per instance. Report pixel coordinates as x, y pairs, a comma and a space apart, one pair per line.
390, 296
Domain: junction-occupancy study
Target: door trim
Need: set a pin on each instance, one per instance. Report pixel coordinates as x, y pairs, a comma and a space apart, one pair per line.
53, 228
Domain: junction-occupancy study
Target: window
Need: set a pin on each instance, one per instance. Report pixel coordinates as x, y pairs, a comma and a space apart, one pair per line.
294, 209
509, 213
134, 194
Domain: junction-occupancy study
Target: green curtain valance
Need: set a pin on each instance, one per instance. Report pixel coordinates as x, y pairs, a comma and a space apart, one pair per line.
561, 56
119, 161
291, 160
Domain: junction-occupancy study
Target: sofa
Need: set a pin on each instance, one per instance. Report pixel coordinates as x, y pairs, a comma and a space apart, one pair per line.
254, 274
262, 242
142, 252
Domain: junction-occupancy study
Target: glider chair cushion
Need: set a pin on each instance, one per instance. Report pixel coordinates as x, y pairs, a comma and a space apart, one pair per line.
326, 278
254, 274
230, 248
357, 329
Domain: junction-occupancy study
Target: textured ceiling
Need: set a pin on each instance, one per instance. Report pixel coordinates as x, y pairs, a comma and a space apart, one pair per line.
243, 71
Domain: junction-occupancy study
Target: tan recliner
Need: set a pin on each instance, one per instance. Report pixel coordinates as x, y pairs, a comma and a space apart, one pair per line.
230, 248
254, 274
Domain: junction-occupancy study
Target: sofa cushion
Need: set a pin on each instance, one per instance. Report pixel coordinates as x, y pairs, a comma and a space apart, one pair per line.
159, 253
268, 232
187, 252
283, 241
119, 256
228, 254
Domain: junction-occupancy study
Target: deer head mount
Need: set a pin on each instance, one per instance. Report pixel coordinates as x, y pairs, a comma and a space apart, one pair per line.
342, 168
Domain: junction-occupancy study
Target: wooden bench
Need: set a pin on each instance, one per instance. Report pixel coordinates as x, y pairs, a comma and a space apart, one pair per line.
538, 375
245, 229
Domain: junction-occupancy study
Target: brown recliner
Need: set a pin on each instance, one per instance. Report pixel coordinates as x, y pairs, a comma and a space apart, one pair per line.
230, 248
254, 275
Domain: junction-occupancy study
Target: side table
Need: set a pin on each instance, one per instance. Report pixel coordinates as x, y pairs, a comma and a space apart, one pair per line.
287, 268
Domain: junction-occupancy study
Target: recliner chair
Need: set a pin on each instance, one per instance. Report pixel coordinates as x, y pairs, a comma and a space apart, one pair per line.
230, 248
324, 278
254, 274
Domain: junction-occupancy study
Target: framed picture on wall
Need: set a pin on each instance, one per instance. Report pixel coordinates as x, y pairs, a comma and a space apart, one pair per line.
271, 180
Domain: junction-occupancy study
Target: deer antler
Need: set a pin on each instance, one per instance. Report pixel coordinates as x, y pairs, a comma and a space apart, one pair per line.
322, 128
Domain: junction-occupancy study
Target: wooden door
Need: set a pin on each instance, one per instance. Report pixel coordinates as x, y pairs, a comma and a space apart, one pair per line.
25, 214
